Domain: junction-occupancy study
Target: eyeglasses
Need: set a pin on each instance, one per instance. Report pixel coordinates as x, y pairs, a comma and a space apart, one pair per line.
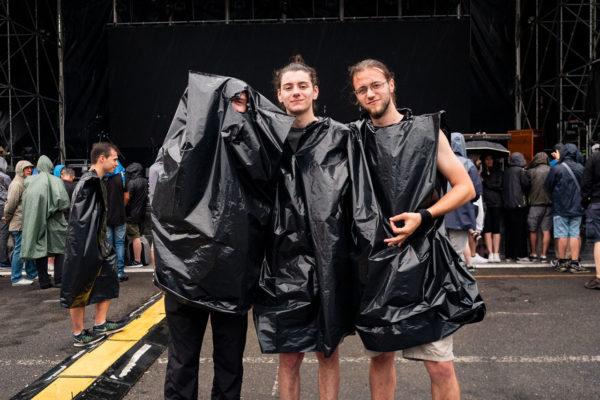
374, 86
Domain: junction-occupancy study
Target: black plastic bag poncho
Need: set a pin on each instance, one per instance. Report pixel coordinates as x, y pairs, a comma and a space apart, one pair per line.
90, 269
307, 295
421, 292
213, 195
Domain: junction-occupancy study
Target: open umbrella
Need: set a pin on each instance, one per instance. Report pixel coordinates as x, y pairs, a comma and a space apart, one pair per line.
485, 146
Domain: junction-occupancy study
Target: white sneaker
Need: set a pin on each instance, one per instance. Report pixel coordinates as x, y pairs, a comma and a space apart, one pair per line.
477, 259
23, 282
494, 257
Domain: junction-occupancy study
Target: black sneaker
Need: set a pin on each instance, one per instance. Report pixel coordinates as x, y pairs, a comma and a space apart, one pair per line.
543, 259
110, 327
87, 338
563, 265
123, 277
533, 258
576, 268
593, 283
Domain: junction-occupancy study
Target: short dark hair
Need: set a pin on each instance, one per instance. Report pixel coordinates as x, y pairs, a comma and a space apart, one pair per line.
101, 149
296, 63
368, 64
66, 171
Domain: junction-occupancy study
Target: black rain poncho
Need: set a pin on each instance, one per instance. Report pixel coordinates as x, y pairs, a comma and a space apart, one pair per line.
421, 292
213, 195
90, 269
307, 296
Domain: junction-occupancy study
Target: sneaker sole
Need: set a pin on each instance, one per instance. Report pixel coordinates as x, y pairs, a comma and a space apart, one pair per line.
576, 271
89, 343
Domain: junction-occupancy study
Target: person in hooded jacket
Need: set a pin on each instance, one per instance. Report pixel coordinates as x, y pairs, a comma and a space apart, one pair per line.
540, 206
13, 215
515, 186
137, 187
492, 179
563, 182
44, 225
460, 221
590, 199
4, 233
304, 302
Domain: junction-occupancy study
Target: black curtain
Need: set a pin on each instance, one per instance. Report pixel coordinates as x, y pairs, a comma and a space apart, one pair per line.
492, 64
85, 73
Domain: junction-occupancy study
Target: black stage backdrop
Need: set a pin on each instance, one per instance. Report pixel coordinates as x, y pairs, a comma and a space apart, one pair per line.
149, 65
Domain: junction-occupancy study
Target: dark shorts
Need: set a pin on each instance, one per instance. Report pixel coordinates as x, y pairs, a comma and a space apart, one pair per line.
134, 230
493, 218
592, 223
539, 217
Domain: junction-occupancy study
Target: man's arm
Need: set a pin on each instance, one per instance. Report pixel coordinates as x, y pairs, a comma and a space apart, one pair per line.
462, 191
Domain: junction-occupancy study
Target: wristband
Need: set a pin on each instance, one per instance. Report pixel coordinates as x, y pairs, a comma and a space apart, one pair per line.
426, 217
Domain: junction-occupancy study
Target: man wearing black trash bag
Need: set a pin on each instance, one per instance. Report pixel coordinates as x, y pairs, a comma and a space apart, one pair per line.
416, 292
89, 271
210, 208
307, 295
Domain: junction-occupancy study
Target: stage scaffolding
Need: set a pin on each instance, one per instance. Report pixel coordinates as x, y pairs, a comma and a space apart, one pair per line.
557, 43
30, 83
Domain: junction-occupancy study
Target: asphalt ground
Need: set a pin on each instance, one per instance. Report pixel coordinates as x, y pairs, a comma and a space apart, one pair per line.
539, 340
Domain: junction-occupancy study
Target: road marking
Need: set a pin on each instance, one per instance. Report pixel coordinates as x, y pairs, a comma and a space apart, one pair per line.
461, 360
275, 383
82, 373
138, 354
535, 276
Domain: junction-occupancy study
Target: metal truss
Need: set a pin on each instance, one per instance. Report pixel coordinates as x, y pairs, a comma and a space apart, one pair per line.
29, 93
560, 40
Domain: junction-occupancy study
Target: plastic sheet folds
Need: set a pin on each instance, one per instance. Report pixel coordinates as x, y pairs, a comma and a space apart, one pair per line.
421, 292
214, 193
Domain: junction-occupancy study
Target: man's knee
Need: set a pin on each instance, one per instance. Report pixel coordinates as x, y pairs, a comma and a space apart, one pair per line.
290, 361
328, 362
440, 371
383, 359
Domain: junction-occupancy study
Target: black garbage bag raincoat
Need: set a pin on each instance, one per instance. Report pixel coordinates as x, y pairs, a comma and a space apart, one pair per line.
90, 269
307, 295
421, 292
213, 196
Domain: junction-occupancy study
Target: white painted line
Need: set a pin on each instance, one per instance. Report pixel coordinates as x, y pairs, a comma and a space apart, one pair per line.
462, 360
51, 301
134, 359
524, 265
136, 270
275, 383
518, 313
61, 369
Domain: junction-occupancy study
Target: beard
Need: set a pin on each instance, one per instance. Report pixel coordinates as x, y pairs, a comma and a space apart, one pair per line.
377, 112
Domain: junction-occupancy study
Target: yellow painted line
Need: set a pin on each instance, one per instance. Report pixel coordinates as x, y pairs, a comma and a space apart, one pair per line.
535, 276
83, 372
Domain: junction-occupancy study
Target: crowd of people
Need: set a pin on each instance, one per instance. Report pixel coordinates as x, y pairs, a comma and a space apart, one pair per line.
35, 208
321, 228
520, 201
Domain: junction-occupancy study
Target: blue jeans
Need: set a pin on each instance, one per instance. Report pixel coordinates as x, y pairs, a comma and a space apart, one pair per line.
17, 264
116, 237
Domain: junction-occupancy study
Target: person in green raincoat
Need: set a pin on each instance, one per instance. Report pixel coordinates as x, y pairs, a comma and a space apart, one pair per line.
44, 224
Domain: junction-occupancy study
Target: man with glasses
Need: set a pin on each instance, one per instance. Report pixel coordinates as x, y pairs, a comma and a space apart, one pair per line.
416, 292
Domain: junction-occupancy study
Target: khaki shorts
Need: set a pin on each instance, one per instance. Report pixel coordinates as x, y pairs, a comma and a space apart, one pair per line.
133, 231
442, 350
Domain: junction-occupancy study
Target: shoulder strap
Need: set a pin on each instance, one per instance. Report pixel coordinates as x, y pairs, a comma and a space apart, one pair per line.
572, 175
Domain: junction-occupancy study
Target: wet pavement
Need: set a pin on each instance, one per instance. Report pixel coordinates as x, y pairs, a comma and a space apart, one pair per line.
539, 340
